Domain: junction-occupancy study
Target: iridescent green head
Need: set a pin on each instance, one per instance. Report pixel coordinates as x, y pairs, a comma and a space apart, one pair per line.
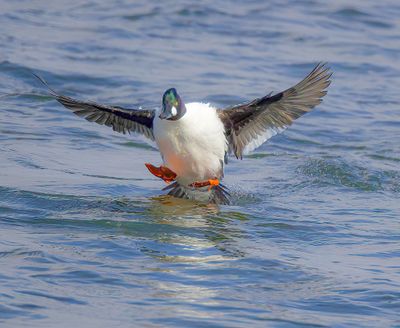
173, 107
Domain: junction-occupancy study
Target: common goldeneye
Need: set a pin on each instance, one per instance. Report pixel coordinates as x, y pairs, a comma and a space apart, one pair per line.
195, 139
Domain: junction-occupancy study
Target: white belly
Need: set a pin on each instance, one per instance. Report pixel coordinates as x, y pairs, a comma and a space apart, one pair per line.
193, 146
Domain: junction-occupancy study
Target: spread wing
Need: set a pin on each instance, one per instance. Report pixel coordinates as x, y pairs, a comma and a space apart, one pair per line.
249, 125
120, 119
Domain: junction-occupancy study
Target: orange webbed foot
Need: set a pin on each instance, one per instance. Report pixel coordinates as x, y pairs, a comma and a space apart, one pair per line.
210, 182
161, 172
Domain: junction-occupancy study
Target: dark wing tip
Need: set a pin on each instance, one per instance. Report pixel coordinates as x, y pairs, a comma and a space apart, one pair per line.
53, 93
309, 92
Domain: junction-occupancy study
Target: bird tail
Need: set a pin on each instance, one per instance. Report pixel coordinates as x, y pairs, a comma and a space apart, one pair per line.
217, 195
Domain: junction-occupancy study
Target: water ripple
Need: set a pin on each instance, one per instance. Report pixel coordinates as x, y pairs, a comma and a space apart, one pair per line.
311, 238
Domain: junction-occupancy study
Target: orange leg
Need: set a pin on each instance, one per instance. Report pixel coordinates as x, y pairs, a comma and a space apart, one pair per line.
211, 183
161, 172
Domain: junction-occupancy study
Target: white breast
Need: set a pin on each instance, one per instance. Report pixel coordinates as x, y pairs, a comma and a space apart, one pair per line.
193, 146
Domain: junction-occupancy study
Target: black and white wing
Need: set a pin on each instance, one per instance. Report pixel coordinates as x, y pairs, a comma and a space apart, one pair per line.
122, 120
249, 125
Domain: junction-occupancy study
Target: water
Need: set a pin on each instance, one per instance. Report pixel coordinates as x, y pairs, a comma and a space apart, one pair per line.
313, 236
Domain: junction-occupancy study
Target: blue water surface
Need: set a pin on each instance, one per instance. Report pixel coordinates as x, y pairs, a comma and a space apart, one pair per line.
313, 235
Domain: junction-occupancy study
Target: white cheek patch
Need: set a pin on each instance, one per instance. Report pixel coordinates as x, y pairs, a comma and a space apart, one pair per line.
173, 111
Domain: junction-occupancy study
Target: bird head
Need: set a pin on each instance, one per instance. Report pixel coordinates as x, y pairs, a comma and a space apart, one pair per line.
173, 107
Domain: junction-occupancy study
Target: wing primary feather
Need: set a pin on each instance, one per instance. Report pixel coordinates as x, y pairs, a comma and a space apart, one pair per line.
249, 125
120, 119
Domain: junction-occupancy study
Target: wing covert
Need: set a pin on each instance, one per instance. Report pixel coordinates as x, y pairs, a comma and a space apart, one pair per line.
122, 120
249, 125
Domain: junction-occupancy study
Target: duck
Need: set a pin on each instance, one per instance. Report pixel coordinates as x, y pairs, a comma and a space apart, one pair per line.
196, 139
